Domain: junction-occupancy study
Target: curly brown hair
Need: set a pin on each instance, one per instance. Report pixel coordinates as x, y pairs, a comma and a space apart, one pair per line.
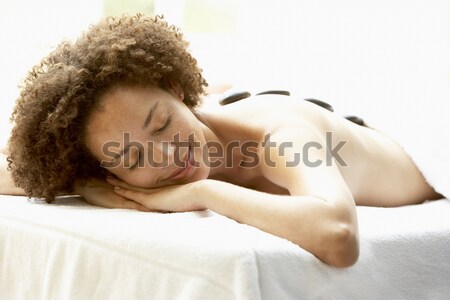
46, 147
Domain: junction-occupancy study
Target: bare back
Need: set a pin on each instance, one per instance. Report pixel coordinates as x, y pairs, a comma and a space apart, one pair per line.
376, 169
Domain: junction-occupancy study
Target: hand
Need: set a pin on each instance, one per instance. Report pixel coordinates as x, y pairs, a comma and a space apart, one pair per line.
99, 192
172, 198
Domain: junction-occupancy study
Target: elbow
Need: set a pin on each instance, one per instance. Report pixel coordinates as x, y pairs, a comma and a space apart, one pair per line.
343, 246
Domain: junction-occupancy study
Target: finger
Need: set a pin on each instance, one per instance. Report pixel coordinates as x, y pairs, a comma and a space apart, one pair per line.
136, 196
122, 184
117, 182
130, 204
141, 199
117, 202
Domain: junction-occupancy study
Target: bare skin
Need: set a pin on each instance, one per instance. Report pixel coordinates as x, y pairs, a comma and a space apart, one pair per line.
312, 206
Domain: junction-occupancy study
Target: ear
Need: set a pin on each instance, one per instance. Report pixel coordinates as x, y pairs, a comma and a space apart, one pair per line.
174, 89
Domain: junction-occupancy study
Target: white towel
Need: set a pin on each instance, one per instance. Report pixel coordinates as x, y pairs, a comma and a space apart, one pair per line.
70, 250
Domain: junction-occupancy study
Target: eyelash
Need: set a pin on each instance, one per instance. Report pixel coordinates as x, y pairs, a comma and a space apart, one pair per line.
169, 119
137, 163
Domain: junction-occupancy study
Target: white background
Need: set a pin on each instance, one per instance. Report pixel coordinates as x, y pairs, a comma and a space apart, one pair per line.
361, 56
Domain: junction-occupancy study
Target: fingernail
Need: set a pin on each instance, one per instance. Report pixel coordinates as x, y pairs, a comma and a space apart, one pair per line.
117, 188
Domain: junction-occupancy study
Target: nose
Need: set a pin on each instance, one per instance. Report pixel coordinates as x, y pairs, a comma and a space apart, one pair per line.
163, 153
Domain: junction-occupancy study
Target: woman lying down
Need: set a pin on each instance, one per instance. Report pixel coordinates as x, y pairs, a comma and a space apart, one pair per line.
114, 118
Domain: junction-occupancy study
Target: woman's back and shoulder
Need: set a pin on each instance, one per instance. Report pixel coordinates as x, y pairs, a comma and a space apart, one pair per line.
375, 168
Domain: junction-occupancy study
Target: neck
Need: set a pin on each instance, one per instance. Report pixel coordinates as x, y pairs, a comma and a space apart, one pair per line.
214, 137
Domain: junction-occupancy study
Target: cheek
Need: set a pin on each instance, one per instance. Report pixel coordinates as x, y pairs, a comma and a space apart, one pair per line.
142, 177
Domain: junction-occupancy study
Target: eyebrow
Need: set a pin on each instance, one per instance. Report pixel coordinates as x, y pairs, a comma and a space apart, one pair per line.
150, 115
147, 121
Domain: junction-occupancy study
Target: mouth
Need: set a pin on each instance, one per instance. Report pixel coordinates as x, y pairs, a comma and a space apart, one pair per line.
188, 161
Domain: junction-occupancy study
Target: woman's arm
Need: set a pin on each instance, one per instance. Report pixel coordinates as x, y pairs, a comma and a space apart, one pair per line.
319, 215
308, 221
98, 192
94, 191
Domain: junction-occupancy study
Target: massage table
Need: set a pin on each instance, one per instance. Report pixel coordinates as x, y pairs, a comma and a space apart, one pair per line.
73, 250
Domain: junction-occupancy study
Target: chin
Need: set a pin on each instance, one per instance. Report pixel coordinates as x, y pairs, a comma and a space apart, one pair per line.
202, 172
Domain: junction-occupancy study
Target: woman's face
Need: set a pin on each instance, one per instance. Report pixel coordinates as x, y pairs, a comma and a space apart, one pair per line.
145, 136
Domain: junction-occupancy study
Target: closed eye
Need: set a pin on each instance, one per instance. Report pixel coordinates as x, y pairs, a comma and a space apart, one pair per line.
137, 162
169, 119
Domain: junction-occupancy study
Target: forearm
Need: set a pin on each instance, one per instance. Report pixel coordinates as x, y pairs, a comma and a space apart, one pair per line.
310, 222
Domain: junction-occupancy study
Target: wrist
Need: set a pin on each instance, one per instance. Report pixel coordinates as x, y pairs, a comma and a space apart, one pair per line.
78, 188
200, 193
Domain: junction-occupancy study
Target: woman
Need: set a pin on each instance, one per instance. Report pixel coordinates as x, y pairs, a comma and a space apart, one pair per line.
113, 118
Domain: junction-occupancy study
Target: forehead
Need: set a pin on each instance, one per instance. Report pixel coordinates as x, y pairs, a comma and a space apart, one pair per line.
122, 96
122, 109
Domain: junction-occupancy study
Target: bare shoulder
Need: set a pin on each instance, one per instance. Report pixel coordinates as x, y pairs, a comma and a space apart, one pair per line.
272, 111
